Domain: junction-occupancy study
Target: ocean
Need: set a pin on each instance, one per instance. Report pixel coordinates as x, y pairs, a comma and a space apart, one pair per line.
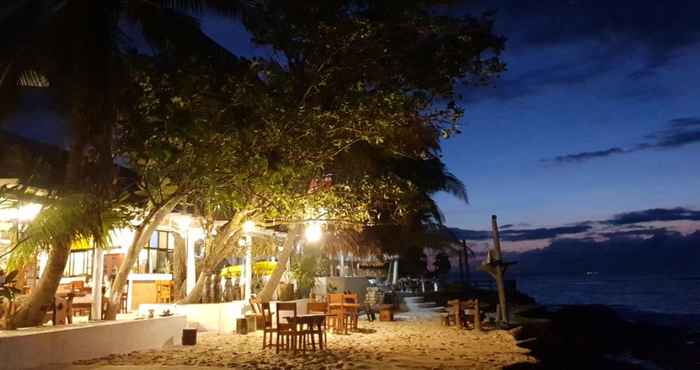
669, 300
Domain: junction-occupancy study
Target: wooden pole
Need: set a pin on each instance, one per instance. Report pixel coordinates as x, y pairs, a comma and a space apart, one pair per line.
477, 316
503, 311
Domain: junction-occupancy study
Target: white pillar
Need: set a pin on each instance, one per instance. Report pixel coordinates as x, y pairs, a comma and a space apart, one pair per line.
248, 267
396, 270
191, 278
341, 257
97, 267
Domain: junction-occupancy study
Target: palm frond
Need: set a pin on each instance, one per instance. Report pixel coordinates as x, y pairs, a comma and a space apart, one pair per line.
70, 220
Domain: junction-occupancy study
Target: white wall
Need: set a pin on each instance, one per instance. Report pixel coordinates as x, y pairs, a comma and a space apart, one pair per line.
27, 349
214, 317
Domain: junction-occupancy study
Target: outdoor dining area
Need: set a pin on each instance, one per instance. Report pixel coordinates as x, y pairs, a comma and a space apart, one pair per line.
285, 328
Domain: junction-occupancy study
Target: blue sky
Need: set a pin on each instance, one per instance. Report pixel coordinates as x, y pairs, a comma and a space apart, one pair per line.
580, 79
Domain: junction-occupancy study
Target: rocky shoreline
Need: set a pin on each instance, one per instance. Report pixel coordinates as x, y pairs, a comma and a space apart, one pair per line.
600, 337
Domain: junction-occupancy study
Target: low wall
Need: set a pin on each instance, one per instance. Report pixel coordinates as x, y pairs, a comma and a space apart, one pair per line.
41, 347
214, 317
341, 284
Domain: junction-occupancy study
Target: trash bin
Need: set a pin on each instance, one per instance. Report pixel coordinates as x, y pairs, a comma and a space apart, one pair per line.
242, 326
189, 337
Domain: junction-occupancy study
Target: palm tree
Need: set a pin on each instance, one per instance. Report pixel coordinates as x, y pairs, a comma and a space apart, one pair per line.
76, 50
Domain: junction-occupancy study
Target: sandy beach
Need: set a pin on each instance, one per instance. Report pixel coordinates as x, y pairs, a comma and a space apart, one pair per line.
415, 343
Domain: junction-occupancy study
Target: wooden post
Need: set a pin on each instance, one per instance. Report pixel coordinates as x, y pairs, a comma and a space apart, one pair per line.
465, 251
503, 311
477, 316
97, 274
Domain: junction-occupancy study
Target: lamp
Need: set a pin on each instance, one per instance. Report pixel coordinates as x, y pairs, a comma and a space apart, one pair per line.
248, 227
28, 212
183, 222
313, 232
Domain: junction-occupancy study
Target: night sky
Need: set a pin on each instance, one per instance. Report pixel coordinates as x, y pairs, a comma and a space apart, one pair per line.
598, 114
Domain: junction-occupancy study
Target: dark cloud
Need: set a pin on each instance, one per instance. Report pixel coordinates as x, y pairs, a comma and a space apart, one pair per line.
658, 254
680, 132
656, 214
637, 232
685, 122
584, 156
605, 35
522, 234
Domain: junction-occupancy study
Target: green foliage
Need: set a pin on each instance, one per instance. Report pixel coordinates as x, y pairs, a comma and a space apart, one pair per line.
7, 286
304, 270
69, 220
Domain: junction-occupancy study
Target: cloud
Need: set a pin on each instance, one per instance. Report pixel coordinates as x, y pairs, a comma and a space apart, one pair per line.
590, 38
643, 224
515, 235
680, 132
655, 214
657, 254
584, 156
685, 122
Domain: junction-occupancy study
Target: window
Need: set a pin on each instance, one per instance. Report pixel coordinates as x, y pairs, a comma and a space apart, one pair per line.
79, 263
156, 257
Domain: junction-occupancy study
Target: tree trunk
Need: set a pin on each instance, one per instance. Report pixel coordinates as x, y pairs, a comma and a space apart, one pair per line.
276, 277
196, 294
32, 311
179, 266
220, 249
141, 237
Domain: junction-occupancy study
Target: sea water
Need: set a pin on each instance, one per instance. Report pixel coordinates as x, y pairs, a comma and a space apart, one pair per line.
673, 300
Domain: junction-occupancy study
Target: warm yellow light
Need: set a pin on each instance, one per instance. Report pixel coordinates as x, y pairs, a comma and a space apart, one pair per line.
313, 232
183, 222
28, 212
248, 227
241, 242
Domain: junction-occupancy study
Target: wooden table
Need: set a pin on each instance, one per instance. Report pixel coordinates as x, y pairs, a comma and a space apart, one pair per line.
311, 320
341, 315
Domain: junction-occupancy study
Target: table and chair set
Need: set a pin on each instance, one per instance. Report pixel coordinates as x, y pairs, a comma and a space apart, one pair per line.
287, 329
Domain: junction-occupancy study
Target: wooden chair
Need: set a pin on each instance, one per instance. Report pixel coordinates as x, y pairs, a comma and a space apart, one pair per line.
287, 333
472, 318
352, 312
319, 307
268, 327
164, 291
257, 312
123, 303
453, 312
337, 321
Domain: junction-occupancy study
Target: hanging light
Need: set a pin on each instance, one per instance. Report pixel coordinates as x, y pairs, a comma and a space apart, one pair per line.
183, 222
28, 212
248, 227
313, 232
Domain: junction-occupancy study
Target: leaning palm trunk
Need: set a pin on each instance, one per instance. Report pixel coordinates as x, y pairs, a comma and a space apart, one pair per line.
276, 277
33, 310
141, 236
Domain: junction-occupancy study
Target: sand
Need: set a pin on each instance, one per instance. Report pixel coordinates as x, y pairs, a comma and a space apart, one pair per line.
415, 343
